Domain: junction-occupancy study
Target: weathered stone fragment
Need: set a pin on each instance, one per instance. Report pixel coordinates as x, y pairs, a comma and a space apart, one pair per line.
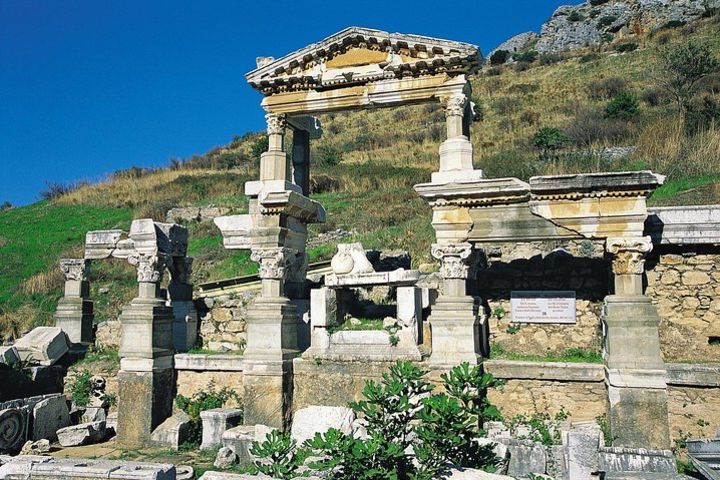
173, 432
38, 447
49, 416
318, 419
81, 434
621, 459
12, 426
525, 458
9, 356
42, 346
215, 422
226, 458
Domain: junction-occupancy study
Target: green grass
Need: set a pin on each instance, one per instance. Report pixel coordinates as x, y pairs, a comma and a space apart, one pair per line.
571, 355
109, 355
676, 186
35, 237
365, 324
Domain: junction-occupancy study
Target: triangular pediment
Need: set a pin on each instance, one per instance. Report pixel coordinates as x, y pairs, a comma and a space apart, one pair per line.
359, 56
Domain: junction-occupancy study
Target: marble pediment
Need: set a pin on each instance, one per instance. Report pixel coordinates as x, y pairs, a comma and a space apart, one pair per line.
357, 56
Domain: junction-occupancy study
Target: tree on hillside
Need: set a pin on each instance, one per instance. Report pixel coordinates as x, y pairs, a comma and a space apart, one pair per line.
549, 140
683, 67
5, 206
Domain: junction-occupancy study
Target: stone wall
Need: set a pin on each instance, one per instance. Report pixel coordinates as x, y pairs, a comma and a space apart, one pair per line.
191, 382
693, 411
222, 321
554, 265
683, 283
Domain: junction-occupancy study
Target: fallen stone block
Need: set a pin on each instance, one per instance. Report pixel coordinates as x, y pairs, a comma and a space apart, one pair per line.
525, 458
215, 422
225, 458
42, 346
472, 474
94, 414
82, 434
12, 425
49, 416
623, 459
9, 356
239, 439
184, 472
44, 467
582, 445
35, 448
318, 419
173, 432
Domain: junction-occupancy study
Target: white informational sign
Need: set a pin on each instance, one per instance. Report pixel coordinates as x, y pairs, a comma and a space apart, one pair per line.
543, 306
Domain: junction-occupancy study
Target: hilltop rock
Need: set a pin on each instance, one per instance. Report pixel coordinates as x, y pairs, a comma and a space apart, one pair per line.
573, 27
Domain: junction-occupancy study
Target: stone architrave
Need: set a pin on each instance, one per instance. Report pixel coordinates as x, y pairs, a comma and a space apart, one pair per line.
636, 373
74, 313
455, 319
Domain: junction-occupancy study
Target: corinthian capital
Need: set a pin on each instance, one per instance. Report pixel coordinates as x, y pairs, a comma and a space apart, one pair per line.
276, 123
628, 254
74, 268
454, 105
150, 268
455, 259
274, 262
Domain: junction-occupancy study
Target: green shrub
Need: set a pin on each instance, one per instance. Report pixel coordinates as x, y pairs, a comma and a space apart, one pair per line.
542, 427
200, 401
549, 140
576, 16
499, 57
607, 37
589, 57
529, 56
684, 67
626, 47
606, 88
400, 411
328, 155
607, 20
624, 106
595, 3
674, 24
81, 389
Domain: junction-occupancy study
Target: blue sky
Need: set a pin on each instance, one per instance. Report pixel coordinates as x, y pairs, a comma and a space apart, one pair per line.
88, 87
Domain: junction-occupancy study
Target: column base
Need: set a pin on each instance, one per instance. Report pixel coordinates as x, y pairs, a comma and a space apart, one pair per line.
639, 417
146, 329
267, 394
458, 331
74, 315
145, 400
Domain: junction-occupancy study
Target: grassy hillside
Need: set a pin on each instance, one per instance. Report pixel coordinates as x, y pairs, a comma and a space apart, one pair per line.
367, 162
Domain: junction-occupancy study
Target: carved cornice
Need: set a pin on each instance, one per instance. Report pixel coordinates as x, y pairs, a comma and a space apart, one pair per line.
628, 254
276, 123
454, 106
274, 262
150, 268
74, 269
455, 259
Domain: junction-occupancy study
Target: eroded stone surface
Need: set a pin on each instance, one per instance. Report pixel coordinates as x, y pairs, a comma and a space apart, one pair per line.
49, 416
42, 346
318, 419
81, 434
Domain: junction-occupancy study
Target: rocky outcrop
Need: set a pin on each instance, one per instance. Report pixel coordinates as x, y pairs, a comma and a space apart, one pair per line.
597, 21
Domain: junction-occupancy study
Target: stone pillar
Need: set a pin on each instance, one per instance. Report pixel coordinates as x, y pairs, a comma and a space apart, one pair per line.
74, 313
301, 160
274, 164
146, 378
271, 343
180, 293
454, 321
635, 371
456, 152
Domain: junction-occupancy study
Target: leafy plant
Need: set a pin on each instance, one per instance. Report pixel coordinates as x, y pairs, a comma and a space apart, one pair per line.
399, 412
81, 389
606, 20
624, 106
499, 313
604, 425
529, 56
683, 66
329, 156
205, 399
576, 16
549, 140
626, 47
281, 457
499, 57
394, 340
541, 427
512, 329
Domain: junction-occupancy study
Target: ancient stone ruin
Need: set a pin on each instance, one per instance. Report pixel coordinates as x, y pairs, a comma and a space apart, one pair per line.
558, 260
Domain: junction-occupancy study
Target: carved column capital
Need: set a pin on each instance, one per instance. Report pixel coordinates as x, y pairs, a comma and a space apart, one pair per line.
150, 268
276, 123
274, 262
455, 259
628, 254
454, 105
75, 268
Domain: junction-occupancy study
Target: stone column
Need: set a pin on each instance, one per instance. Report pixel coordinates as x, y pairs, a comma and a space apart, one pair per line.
271, 343
301, 160
454, 321
456, 152
274, 164
180, 293
74, 313
146, 377
634, 365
